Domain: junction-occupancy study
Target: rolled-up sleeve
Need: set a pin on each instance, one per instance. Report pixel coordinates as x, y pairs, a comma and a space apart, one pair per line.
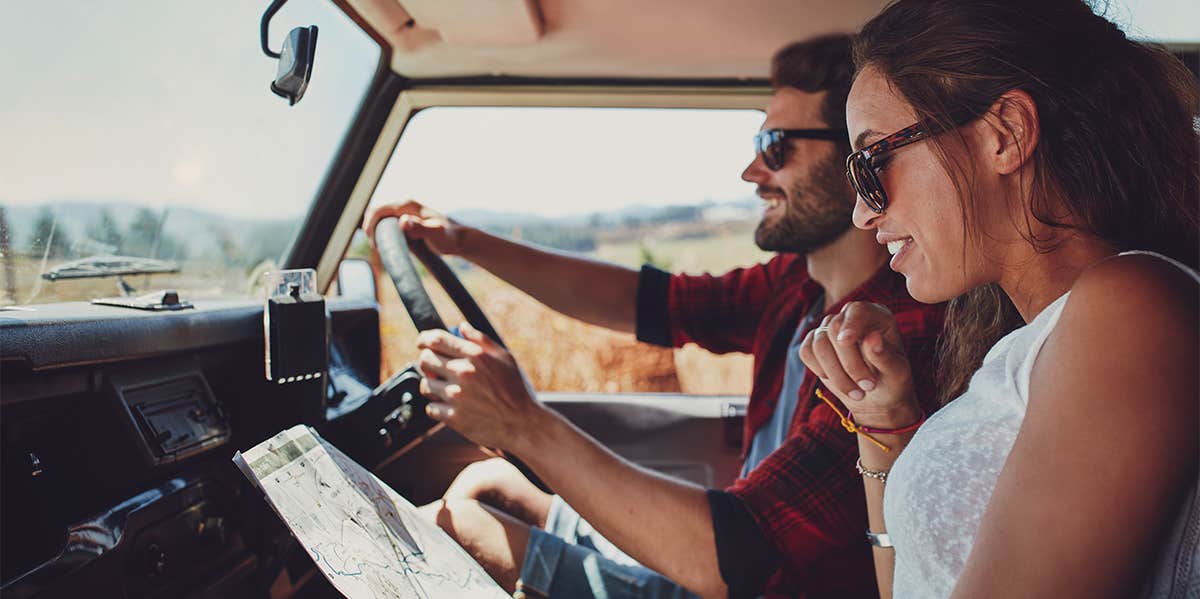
805, 496
653, 320
745, 557
719, 313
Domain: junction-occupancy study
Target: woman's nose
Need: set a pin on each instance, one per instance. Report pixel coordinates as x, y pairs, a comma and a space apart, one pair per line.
864, 217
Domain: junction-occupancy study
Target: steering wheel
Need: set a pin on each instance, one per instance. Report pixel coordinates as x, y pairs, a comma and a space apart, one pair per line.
395, 252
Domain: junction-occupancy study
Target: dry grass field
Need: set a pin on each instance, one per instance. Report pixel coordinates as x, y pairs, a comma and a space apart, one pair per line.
201, 279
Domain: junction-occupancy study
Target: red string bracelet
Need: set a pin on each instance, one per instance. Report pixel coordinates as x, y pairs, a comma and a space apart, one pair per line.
852, 427
848, 424
893, 431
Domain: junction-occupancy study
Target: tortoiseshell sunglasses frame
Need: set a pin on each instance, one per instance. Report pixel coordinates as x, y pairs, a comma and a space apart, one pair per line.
860, 166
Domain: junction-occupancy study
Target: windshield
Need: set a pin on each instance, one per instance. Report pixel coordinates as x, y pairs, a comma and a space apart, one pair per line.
146, 130
631, 186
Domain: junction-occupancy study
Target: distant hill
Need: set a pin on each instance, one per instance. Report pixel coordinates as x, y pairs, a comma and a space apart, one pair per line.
582, 233
491, 218
747, 208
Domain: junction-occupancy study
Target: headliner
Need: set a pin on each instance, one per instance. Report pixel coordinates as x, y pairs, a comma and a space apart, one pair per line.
600, 38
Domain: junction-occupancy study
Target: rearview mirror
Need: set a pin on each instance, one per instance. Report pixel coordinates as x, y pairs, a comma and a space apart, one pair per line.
295, 64
295, 58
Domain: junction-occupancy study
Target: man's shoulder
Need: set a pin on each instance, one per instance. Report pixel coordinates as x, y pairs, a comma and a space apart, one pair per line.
787, 269
777, 272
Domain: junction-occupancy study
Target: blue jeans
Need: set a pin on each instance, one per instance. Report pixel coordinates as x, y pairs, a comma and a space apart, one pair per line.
570, 559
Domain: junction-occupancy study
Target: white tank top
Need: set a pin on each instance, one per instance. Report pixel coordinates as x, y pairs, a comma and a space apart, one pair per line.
938, 488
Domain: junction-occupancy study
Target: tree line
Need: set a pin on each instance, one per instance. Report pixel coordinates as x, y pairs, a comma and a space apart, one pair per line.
145, 235
142, 237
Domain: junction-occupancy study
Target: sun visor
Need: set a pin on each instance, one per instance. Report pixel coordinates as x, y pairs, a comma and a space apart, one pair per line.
473, 23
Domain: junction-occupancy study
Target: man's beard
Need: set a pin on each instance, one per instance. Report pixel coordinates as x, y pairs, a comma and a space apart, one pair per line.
816, 211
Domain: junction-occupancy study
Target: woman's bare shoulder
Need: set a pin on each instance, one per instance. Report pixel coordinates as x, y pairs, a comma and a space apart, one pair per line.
1136, 289
1131, 321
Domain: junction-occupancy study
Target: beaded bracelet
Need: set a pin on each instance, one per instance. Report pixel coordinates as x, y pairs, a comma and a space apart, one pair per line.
879, 475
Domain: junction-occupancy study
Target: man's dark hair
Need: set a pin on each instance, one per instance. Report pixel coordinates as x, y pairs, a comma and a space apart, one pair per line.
821, 64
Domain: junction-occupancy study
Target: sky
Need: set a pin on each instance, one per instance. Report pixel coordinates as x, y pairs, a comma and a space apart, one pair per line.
1161, 20
166, 102
557, 162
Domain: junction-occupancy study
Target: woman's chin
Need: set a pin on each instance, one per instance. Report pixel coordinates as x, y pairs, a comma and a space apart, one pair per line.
920, 289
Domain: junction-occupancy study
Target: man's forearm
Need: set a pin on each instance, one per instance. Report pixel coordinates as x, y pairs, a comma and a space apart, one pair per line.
593, 291
664, 523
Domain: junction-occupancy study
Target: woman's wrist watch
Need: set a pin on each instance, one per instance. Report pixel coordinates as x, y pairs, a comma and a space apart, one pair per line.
879, 539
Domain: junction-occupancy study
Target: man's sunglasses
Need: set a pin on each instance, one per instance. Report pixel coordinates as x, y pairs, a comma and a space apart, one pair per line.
862, 166
769, 143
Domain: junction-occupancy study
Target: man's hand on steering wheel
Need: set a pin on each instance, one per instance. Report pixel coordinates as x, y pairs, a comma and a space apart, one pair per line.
417, 221
476, 388
480, 391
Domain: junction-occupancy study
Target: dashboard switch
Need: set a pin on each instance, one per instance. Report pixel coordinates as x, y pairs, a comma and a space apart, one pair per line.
35, 465
155, 560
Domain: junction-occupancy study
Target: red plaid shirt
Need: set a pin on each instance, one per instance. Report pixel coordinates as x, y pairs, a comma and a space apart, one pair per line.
806, 497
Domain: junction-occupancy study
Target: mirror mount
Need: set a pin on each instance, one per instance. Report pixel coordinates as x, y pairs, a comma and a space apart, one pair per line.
265, 27
295, 57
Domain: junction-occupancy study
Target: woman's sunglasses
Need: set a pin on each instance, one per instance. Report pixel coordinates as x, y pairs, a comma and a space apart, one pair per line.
861, 166
770, 143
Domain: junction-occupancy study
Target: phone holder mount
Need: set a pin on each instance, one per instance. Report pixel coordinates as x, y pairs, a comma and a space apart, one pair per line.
295, 57
295, 327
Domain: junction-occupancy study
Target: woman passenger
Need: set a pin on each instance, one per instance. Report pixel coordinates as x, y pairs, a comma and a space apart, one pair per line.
1026, 158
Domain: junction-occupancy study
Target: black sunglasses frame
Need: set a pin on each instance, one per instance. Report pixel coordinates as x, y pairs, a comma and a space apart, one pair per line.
768, 143
861, 169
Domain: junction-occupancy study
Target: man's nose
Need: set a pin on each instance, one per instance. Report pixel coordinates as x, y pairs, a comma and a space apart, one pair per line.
756, 171
864, 217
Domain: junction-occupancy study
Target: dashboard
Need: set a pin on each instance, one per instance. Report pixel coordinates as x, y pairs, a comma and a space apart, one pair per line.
118, 428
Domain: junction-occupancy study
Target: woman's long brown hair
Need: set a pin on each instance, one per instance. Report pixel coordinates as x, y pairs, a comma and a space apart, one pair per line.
1118, 156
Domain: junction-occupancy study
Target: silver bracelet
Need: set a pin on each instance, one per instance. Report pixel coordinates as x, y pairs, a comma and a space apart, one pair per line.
878, 475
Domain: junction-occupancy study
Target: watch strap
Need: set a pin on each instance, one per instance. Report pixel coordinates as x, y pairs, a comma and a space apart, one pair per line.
879, 539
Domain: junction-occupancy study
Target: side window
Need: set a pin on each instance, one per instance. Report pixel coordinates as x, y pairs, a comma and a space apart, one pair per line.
630, 186
142, 137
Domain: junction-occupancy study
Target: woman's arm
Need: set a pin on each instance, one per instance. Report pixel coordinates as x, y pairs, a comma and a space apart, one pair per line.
875, 459
1108, 447
859, 356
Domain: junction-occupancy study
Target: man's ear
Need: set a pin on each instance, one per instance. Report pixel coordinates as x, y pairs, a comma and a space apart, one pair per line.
1011, 131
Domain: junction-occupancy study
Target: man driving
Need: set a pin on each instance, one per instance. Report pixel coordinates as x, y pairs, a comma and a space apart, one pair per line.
793, 524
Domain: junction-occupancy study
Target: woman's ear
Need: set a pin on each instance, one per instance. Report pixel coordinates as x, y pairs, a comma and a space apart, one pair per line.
1011, 131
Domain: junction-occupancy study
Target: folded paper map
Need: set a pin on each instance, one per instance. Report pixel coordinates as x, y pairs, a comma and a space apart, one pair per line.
368, 540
